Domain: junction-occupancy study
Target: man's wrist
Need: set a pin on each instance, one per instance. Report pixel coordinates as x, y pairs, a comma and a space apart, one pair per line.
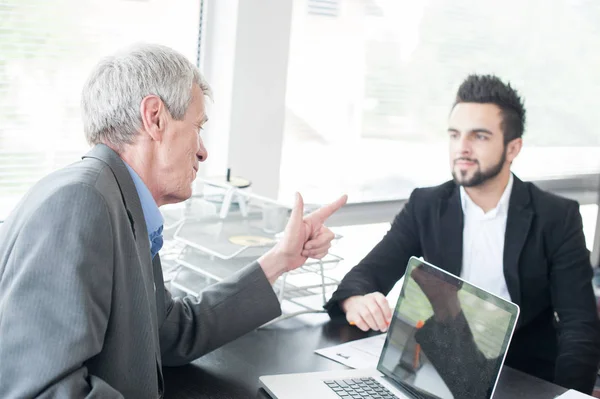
345, 303
272, 264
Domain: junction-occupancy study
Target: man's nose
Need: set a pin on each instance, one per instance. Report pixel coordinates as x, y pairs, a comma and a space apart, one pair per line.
464, 145
202, 153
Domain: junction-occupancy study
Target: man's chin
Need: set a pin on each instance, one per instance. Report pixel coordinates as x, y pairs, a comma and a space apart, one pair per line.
186, 195
179, 196
471, 181
465, 181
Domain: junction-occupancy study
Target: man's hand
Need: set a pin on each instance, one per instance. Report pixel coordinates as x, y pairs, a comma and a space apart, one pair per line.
303, 238
368, 312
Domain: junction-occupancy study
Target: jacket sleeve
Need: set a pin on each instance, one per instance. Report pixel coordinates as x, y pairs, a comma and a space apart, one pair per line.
55, 296
386, 263
223, 312
574, 304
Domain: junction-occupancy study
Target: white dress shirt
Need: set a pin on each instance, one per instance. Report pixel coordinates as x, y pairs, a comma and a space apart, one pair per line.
483, 243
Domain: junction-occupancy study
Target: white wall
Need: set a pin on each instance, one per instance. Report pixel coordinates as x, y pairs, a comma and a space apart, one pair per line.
246, 55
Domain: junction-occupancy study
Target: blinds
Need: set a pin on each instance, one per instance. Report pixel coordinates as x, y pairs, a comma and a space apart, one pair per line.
47, 49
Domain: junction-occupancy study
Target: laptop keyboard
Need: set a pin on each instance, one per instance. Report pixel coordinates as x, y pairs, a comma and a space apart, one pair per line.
360, 388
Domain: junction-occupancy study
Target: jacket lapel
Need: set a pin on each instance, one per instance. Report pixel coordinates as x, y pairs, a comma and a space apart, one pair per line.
518, 223
451, 227
135, 214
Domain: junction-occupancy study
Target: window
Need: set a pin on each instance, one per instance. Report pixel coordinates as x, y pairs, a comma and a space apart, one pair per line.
323, 7
369, 92
47, 49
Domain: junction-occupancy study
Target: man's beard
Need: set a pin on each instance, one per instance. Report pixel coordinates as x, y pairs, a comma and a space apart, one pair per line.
480, 176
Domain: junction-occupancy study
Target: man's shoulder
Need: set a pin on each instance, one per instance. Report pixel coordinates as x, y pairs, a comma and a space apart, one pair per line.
87, 172
547, 204
71, 183
424, 200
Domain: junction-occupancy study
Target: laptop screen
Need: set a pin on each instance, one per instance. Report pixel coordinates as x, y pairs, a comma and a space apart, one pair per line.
448, 338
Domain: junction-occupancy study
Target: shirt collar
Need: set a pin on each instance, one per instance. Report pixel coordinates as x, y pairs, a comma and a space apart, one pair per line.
502, 207
152, 215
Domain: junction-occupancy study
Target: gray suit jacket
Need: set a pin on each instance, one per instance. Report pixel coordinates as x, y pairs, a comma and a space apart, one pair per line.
83, 309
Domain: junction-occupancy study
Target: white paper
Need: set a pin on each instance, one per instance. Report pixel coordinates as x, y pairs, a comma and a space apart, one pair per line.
362, 353
572, 394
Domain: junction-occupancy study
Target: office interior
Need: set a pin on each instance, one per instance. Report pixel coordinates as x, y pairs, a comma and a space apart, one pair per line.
321, 97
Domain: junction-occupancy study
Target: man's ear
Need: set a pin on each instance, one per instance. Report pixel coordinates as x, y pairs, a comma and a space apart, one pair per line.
513, 148
152, 110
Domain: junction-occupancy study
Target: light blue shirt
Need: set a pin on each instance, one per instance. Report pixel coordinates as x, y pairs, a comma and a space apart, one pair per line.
152, 216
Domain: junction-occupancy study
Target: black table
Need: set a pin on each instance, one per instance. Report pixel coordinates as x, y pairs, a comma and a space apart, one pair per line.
287, 347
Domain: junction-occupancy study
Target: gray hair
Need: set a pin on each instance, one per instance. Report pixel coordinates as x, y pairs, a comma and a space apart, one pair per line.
112, 95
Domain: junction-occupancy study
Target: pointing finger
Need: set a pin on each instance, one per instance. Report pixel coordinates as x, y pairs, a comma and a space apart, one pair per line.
321, 214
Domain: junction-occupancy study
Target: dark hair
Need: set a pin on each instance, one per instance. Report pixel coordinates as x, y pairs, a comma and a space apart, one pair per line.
489, 89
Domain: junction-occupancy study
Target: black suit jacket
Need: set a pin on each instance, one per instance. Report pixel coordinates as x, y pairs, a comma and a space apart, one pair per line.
546, 267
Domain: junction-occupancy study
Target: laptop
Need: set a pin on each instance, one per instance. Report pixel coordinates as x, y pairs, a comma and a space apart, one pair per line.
447, 340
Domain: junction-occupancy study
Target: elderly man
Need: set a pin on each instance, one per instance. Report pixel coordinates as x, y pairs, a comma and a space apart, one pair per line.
83, 307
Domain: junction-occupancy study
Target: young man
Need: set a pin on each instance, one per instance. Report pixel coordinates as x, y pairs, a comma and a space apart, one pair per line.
499, 233
83, 307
